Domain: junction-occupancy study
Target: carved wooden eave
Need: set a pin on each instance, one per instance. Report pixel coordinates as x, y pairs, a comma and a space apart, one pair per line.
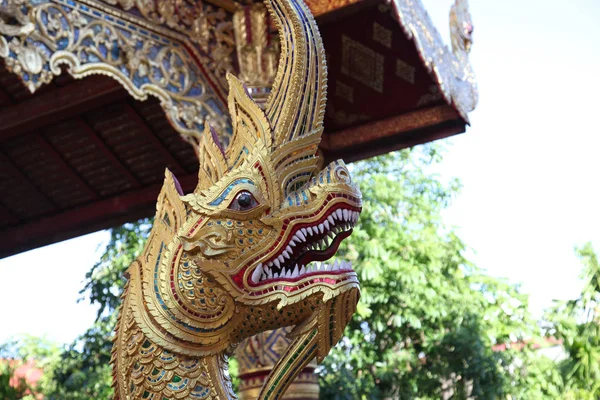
148, 51
179, 51
452, 70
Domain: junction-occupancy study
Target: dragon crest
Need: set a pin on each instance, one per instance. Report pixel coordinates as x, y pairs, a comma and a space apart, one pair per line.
246, 251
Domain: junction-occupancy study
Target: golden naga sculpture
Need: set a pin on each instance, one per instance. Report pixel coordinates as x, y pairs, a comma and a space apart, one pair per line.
245, 252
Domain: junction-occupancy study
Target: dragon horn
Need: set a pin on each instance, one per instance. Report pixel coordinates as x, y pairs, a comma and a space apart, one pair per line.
296, 105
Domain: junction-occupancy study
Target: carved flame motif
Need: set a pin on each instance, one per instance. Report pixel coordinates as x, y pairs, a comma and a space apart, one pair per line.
248, 250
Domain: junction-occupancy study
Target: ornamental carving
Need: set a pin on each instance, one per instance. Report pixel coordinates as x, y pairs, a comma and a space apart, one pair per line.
89, 40
257, 49
207, 26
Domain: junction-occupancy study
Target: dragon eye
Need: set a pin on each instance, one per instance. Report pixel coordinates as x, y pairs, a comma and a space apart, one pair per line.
243, 201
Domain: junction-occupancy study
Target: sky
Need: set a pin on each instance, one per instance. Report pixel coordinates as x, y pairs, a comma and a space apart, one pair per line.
528, 164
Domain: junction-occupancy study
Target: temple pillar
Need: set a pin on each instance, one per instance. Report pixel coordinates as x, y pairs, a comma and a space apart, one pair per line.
257, 356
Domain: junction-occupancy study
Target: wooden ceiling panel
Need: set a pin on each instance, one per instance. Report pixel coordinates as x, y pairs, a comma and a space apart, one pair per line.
152, 113
85, 154
19, 196
71, 168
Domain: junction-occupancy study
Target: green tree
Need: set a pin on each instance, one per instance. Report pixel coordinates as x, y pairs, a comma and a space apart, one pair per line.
85, 371
427, 319
426, 322
43, 353
577, 323
11, 388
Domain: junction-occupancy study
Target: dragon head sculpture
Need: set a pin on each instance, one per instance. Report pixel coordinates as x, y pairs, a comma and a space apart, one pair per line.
249, 249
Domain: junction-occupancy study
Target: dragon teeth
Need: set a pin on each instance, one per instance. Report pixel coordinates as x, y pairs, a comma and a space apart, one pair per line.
301, 235
338, 221
263, 272
258, 271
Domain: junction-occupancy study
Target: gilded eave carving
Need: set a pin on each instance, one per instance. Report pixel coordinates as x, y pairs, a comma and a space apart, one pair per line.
39, 37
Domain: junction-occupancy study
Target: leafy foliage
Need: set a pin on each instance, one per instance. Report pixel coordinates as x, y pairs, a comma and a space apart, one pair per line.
85, 371
45, 355
426, 324
427, 318
577, 323
8, 389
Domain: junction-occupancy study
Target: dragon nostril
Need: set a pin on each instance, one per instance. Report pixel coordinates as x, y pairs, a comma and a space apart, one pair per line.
342, 175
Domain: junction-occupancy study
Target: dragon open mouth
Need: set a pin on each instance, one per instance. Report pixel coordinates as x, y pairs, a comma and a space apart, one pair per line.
308, 247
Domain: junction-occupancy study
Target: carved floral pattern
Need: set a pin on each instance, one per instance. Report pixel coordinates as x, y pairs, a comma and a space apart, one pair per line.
207, 26
90, 41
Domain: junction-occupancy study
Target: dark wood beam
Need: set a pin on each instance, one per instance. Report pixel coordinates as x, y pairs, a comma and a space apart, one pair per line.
59, 104
152, 138
103, 148
65, 167
98, 215
395, 133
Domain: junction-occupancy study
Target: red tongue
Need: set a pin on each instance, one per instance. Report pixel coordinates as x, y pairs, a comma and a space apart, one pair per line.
322, 255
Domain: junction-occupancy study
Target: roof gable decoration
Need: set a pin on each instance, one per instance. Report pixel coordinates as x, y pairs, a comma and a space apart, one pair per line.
38, 37
451, 69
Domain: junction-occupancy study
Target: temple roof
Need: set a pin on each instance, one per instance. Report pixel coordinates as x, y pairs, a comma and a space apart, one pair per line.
81, 155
